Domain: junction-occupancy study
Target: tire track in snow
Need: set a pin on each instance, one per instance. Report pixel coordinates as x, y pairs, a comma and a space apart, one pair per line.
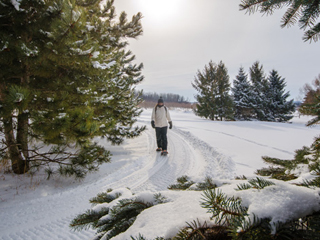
218, 165
160, 172
53, 230
167, 169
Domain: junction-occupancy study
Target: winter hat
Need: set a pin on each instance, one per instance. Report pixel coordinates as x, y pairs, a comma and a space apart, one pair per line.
160, 100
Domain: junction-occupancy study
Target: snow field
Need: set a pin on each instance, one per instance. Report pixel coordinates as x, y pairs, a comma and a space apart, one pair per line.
197, 148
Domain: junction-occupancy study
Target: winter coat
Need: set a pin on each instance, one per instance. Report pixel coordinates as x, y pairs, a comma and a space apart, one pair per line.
160, 116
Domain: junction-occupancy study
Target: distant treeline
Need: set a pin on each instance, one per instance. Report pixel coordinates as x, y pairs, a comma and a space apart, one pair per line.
167, 97
170, 100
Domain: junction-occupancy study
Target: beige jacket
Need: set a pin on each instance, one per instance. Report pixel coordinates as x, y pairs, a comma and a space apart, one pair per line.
160, 116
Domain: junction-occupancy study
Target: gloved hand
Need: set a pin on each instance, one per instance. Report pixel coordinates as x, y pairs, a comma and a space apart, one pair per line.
170, 125
152, 124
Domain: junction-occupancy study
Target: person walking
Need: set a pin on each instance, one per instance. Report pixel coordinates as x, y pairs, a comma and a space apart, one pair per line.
159, 120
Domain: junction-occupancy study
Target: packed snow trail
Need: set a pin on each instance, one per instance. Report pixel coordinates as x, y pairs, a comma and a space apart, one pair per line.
38, 214
155, 172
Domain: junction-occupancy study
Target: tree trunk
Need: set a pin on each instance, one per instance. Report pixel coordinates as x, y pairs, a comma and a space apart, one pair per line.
22, 134
19, 165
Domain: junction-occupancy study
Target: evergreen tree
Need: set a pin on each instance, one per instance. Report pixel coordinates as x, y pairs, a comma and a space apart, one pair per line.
223, 98
204, 83
214, 101
278, 108
305, 12
259, 87
66, 78
242, 96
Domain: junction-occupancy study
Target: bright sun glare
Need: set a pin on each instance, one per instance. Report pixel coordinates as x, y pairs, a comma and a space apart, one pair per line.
159, 10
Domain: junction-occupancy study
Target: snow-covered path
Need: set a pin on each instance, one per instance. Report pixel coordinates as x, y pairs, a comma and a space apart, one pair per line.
31, 208
153, 172
46, 211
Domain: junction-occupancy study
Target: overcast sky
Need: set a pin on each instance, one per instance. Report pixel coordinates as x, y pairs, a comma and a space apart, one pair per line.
182, 36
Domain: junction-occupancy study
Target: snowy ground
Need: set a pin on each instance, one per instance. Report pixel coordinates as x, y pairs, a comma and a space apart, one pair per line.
33, 208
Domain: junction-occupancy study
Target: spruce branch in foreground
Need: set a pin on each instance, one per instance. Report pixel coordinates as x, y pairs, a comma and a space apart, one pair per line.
184, 183
305, 13
141, 237
112, 214
256, 183
306, 157
206, 184
230, 218
236, 223
200, 231
225, 210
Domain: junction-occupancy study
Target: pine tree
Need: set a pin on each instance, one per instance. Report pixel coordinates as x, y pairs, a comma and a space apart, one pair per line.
67, 78
278, 108
305, 13
259, 86
242, 96
214, 101
204, 84
223, 98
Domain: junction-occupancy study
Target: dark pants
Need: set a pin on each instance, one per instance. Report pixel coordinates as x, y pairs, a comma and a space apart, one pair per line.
161, 134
